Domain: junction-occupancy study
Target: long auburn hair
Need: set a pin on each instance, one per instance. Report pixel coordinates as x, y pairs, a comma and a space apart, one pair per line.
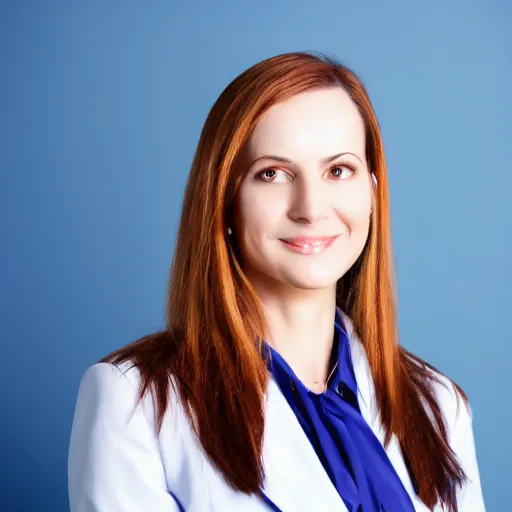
209, 351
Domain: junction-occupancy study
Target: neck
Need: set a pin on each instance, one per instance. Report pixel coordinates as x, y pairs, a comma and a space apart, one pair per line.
300, 326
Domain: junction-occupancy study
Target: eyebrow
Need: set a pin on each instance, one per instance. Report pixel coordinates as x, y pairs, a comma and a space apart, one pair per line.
288, 161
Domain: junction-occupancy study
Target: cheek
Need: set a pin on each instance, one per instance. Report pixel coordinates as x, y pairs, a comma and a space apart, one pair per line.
258, 212
252, 231
354, 205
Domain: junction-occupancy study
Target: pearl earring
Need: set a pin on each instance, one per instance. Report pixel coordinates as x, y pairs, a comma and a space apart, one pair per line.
230, 231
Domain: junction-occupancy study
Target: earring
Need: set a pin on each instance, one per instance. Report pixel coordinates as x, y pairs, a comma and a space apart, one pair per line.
230, 231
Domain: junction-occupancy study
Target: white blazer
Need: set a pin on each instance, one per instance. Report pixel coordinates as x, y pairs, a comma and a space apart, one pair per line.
118, 463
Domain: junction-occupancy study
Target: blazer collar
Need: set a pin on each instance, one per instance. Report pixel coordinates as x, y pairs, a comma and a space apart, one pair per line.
295, 478
370, 411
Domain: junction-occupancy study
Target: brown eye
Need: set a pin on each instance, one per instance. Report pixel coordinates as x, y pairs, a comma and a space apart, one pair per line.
268, 174
338, 171
273, 176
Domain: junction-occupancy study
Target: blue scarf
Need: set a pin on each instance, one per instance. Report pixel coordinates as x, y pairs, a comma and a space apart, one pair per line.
351, 454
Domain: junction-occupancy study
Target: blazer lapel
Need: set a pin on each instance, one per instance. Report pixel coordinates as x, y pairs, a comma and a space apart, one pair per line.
369, 410
296, 481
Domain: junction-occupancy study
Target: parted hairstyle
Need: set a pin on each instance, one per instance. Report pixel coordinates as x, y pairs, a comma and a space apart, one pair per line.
210, 350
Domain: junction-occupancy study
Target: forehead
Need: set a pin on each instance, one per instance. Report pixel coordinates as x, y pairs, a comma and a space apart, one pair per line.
312, 124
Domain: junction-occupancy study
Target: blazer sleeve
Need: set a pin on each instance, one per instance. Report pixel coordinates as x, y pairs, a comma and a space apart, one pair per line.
114, 462
469, 498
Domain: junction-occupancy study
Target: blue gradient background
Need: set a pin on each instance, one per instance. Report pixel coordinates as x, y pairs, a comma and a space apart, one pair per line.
101, 106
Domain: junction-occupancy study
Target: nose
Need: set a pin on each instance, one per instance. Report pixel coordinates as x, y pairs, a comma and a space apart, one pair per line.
309, 200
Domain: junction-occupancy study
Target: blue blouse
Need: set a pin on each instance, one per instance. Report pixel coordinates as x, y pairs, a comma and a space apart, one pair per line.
351, 454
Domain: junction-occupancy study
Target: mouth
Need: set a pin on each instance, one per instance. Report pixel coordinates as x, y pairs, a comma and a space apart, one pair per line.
309, 245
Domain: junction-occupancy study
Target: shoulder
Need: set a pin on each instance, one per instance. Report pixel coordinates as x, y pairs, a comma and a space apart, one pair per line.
457, 412
113, 392
457, 415
109, 390
455, 408
111, 410
458, 419
115, 445
106, 379
110, 378
108, 406
454, 404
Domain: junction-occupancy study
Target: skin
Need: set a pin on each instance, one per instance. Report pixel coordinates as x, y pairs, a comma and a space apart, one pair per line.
309, 197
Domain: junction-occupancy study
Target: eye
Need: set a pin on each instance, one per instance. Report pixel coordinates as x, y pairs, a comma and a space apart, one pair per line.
338, 170
273, 176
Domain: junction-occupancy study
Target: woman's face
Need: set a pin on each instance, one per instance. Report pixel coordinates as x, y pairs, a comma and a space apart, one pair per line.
301, 215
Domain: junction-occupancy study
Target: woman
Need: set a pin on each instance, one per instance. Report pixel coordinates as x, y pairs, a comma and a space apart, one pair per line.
278, 383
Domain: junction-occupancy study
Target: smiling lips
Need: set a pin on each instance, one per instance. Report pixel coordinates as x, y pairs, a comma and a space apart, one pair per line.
308, 245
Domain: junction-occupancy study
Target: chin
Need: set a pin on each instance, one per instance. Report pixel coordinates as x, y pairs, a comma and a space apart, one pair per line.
309, 281
310, 285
